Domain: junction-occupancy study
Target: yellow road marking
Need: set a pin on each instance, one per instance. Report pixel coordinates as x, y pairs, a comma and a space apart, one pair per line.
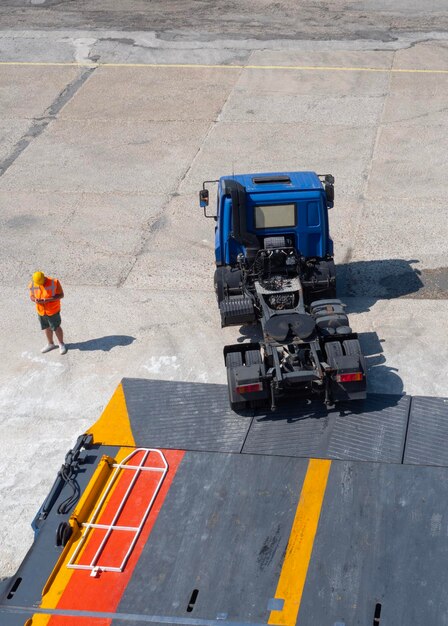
298, 553
304, 68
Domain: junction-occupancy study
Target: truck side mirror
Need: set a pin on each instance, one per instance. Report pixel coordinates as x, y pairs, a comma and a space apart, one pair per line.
203, 198
327, 181
329, 190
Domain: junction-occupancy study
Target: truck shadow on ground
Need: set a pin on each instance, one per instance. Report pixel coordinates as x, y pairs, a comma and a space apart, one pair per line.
292, 411
105, 344
381, 378
371, 281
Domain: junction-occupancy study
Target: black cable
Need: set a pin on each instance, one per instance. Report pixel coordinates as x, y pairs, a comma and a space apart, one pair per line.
68, 472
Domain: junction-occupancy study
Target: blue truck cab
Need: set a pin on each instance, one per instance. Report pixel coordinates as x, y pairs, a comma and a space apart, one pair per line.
293, 204
253, 208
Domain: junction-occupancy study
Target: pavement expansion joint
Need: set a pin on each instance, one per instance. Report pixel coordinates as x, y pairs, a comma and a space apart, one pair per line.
40, 123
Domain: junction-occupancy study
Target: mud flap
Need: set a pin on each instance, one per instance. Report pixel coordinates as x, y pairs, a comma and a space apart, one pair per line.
346, 389
244, 371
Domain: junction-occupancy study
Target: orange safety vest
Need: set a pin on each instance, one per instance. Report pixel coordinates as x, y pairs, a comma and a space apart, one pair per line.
49, 289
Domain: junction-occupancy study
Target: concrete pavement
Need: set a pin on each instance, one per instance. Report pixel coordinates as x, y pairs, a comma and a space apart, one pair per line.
100, 171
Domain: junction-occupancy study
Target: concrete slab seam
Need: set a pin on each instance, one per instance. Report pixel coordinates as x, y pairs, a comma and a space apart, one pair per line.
39, 124
154, 220
375, 143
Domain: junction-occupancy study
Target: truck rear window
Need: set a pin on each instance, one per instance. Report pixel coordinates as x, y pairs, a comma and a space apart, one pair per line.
275, 215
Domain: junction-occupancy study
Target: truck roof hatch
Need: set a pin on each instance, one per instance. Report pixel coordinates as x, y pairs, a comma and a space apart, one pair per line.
271, 180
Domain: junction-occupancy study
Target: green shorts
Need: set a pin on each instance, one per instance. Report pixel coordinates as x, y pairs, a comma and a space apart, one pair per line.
50, 321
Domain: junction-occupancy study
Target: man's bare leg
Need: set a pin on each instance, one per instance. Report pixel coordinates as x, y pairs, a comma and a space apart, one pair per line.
50, 343
59, 334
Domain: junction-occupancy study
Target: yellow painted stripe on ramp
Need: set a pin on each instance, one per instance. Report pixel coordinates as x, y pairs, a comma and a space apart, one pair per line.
298, 553
61, 575
304, 68
114, 428
38, 619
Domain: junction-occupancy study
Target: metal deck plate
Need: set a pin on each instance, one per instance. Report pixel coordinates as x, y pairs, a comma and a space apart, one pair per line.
381, 539
427, 438
226, 521
373, 430
186, 416
223, 531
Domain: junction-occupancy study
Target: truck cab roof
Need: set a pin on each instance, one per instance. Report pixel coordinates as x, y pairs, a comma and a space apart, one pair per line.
270, 181
253, 206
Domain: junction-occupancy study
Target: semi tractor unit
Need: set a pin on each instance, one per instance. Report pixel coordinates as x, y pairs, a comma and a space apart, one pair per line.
275, 266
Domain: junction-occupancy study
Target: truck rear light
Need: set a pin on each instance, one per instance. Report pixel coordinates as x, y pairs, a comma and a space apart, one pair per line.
349, 378
250, 388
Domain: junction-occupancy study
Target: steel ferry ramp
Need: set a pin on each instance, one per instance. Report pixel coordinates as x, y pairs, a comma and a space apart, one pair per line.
172, 509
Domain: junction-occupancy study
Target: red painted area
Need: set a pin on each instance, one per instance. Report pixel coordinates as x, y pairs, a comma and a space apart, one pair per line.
117, 543
104, 593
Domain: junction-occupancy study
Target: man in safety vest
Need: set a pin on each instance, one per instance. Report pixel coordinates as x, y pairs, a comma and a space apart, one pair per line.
47, 292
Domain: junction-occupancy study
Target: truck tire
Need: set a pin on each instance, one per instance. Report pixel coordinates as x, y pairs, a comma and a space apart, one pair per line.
333, 349
253, 357
219, 284
352, 347
234, 359
238, 406
227, 282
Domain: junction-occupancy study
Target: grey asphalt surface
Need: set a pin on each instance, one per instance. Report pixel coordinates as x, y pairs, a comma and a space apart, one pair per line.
254, 19
103, 149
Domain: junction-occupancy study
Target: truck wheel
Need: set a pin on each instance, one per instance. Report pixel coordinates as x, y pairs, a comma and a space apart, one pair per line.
238, 406
219, 284
253, 357
352, 347
234, 359
333, 349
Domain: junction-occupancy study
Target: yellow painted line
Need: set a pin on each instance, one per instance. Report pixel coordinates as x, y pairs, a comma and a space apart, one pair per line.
61, 574
85, 506
300, 546
304, 68
114, 428
38, 619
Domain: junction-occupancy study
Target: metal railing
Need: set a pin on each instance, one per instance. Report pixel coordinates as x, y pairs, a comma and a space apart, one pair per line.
95, 564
